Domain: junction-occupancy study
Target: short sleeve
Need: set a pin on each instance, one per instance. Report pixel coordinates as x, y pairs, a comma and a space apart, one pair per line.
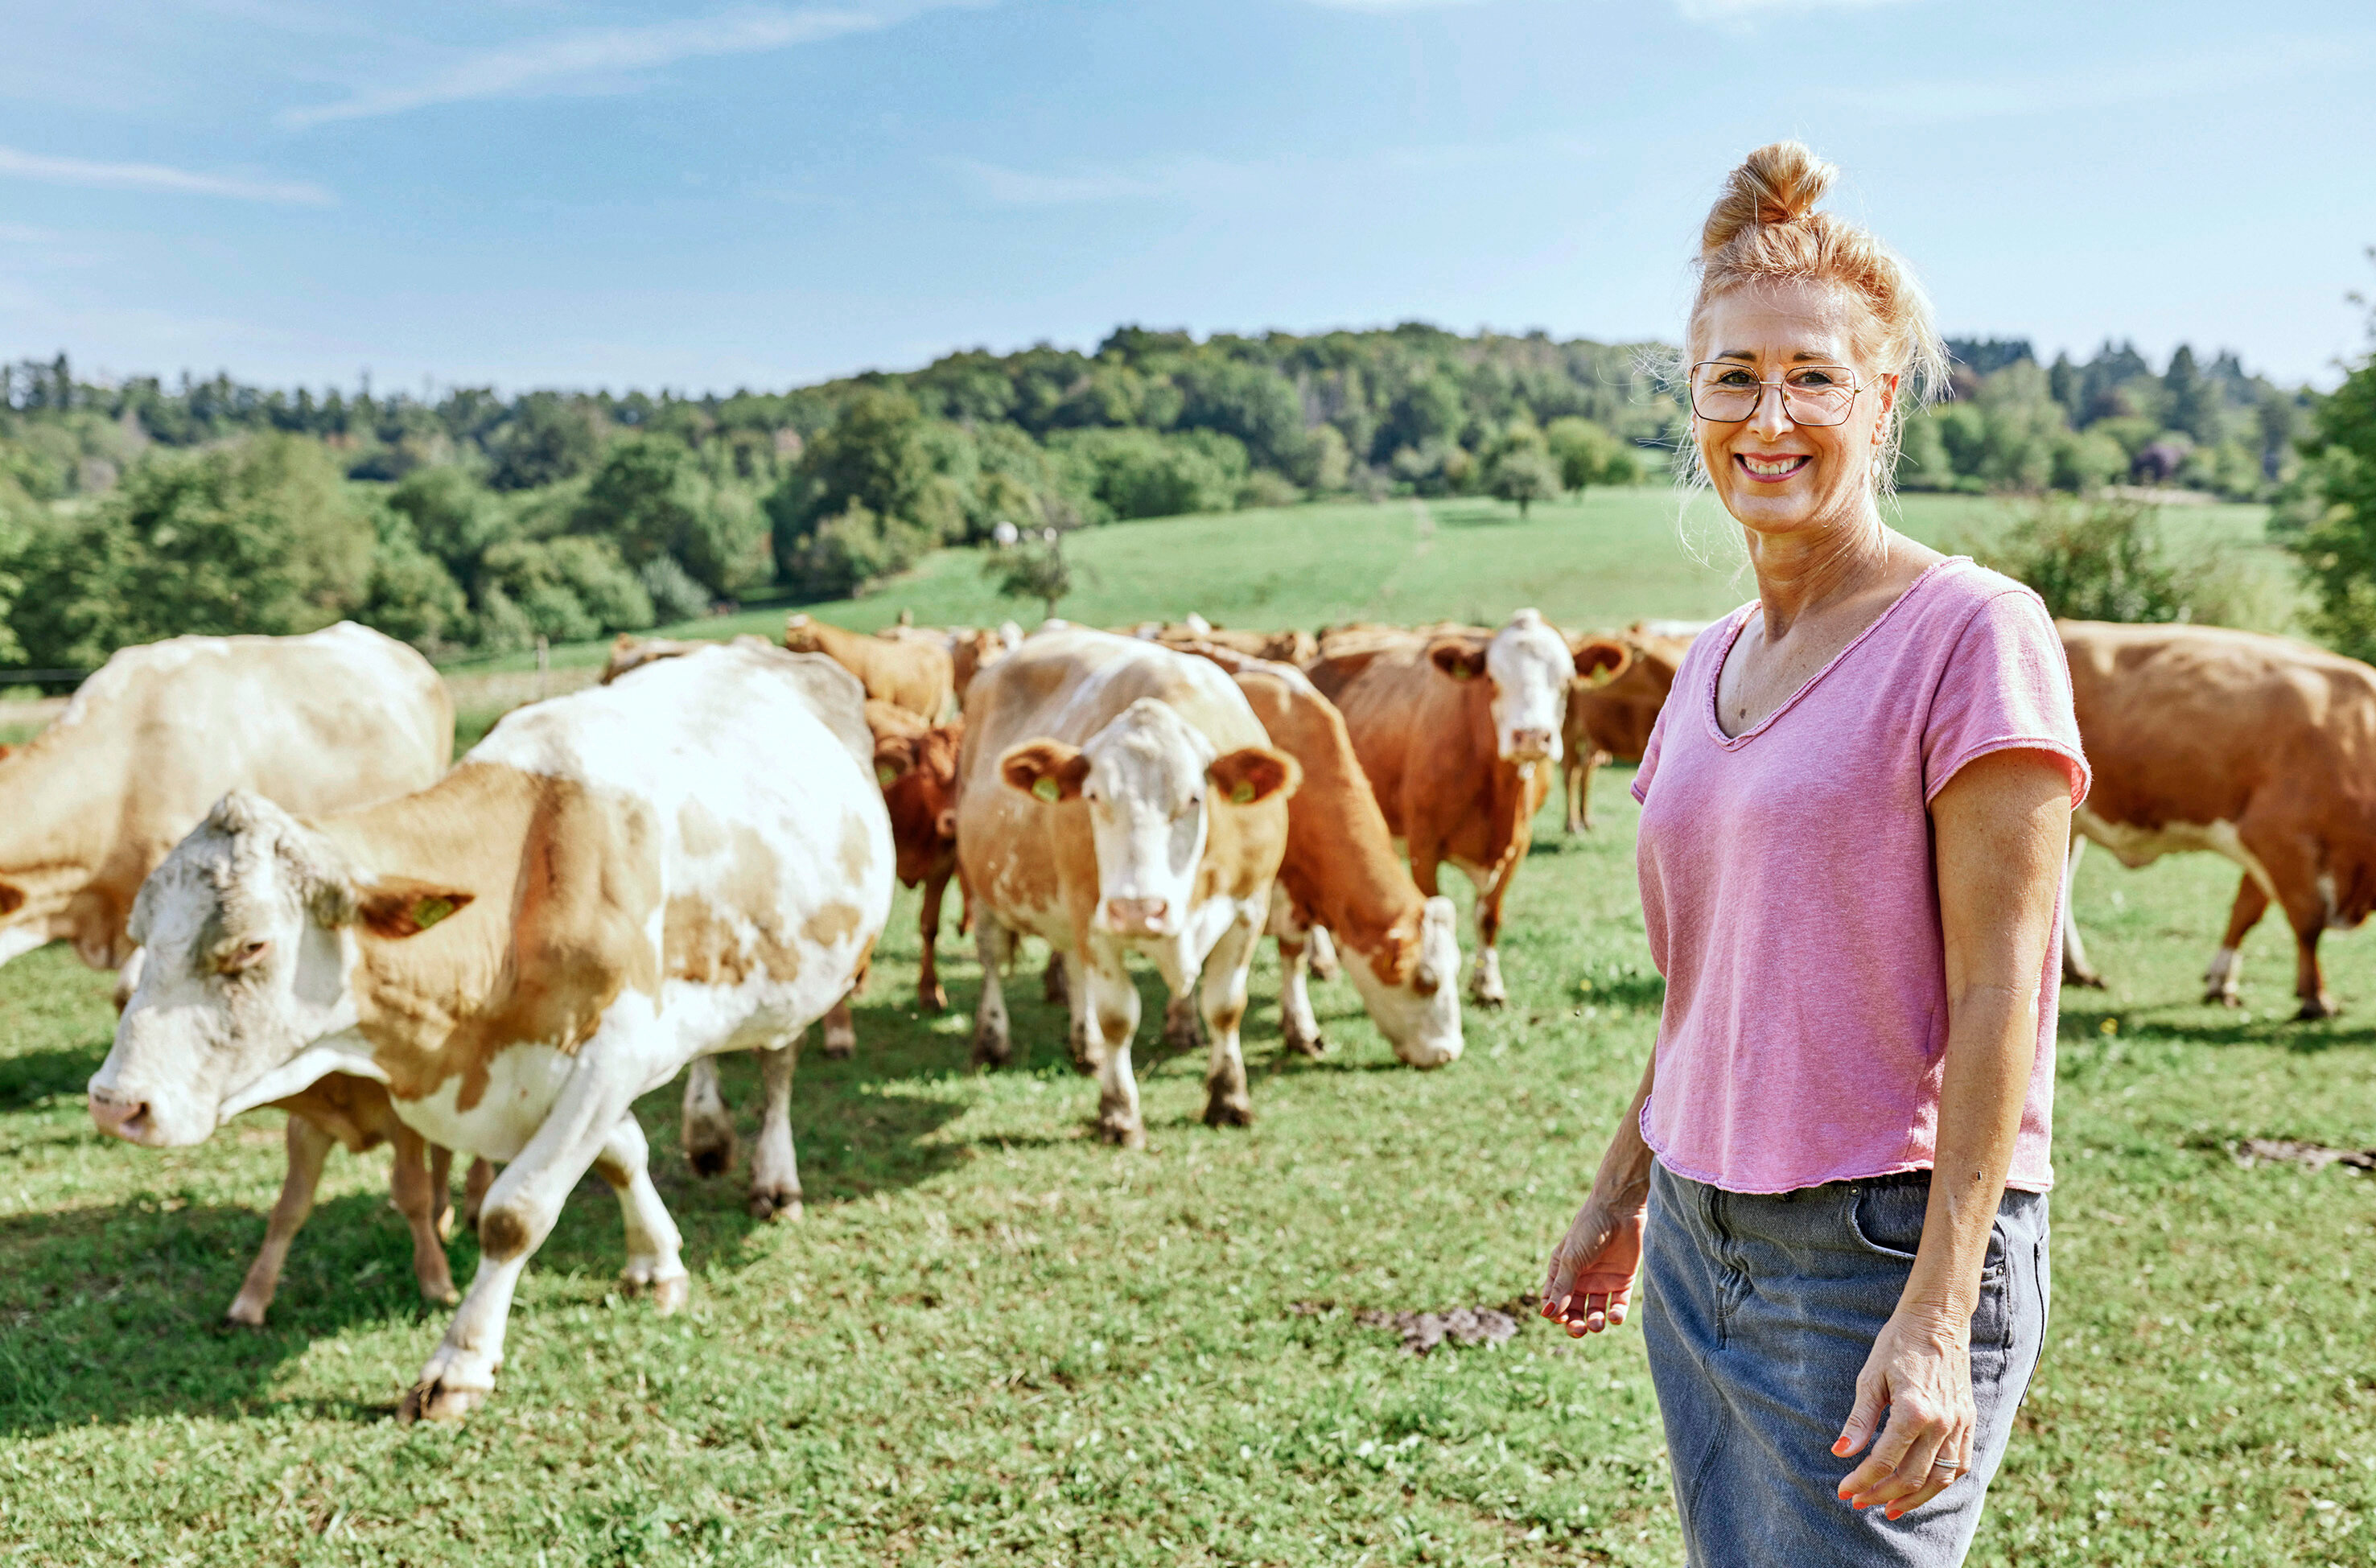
1649, 764
2006, 686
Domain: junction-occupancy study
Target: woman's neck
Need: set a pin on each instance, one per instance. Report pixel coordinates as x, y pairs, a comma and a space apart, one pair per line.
1801, 572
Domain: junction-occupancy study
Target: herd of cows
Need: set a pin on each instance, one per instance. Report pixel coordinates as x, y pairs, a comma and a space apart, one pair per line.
309, 909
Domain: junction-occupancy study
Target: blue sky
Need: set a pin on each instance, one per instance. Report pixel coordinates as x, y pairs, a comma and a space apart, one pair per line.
592, 193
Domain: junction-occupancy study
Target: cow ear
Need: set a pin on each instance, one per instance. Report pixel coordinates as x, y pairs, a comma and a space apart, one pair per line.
892, 758
1252, 774
1601, 659
1046, 770
1457, 657
12, 898
398, 907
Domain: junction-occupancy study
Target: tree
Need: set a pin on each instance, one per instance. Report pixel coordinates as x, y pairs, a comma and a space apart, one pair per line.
2337, 549
1520, 469
862, 481
1588, 454
262, 537
652, 499
2190, 400
2099, 561
548, 439
1032, 568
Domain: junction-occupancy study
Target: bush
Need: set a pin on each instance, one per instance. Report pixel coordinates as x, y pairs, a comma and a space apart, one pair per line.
413, 596
839, 554
1138, 474
652, 499
2331, 512
1588, 454
675, 596
2101, 560
569, 589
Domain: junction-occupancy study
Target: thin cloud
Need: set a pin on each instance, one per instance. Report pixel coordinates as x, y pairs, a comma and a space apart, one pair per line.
560, 61
1214, 180
158, 178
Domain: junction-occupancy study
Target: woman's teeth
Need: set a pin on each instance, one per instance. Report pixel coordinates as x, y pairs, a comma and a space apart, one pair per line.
1771, 467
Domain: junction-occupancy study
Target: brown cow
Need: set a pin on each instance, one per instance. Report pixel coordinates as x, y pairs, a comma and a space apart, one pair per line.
1610, 718
909, 672
2257, 748
917, 765
1340, 873
1458, 733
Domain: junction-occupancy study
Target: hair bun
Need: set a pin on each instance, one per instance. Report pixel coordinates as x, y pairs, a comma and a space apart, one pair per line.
1780, 183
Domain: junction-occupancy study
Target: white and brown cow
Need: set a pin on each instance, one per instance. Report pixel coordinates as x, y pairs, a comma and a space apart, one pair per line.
613, 885
1458, 732
1117, 797
334, 718
1609, 716
915, 672
2256, 748
1340, 875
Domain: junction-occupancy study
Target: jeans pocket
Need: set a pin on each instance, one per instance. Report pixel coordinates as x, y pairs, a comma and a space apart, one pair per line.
1887, 1218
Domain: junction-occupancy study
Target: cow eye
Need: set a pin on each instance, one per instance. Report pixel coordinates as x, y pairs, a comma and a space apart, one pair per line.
246, 956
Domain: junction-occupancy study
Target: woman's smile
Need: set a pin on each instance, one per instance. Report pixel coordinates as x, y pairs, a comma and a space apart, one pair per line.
1773, 469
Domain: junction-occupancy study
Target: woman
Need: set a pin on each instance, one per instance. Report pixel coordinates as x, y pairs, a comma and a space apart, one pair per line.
1855, 808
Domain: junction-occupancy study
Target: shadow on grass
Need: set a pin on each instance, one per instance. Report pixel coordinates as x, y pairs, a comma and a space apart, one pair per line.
2086, 1019
37, 1075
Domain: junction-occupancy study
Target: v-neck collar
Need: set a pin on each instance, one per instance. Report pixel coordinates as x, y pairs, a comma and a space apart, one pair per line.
1740, 623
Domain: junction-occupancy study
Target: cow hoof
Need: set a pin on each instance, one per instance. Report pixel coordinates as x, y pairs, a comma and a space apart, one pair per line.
1121, 1133
2072, 975
2222, 999
775, 1204
1231, 1111
1183, 1029
436, 1402
247, 1313
932, 999
2314, 1009
448, 1297
992, 1049
1489, 996
709, 1148
1311, 1045
669, 1296
839, 1050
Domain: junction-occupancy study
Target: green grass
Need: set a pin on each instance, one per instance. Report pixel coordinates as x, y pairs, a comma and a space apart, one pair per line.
1615, 557
993, 1339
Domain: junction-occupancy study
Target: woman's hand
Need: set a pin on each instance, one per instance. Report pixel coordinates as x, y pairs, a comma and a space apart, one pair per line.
1590, 1286
1920, 1372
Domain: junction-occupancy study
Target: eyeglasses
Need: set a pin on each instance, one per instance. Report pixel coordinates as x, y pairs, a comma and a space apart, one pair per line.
1814, 395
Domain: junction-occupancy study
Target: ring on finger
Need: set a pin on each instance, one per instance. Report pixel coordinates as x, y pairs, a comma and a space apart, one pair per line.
1947, 1467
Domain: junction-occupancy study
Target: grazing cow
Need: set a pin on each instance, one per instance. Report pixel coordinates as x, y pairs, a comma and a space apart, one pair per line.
2254, 747
917, 765
906, 672
630, 653
335, 719
1291, 647
1114, 797
1340, 875
977, 651
1610, 718
1458, 732
612, 884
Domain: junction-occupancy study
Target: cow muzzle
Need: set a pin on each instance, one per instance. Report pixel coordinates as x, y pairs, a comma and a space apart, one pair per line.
1136, 917
121, 1116
1531, 745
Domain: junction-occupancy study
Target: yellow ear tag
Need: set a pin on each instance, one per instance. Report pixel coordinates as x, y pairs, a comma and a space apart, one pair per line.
885, 773
1460, 672
1046, 789
429, 911
1242, 793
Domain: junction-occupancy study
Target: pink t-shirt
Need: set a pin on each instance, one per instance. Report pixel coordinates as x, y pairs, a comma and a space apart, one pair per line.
1791, 902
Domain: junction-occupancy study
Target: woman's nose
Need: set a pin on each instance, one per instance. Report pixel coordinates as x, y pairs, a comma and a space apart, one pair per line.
1769, 418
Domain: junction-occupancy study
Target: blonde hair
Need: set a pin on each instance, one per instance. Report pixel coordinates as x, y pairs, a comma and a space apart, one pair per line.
1764, 229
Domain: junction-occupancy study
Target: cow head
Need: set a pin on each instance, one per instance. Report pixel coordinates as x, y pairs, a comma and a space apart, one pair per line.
1149, 780
919, 774
1528, 665
245, 968
1410, 987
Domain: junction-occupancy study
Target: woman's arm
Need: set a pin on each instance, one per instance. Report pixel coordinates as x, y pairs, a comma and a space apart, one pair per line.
2001, 828
1590, 1286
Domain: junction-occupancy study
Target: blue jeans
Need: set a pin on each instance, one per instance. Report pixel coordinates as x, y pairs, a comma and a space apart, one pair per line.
1760, 1311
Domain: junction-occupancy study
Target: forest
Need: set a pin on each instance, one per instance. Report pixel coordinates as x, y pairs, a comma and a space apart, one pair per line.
465, 520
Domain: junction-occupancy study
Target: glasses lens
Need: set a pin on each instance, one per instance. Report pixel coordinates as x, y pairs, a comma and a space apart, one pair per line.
1725, 393
1819, 394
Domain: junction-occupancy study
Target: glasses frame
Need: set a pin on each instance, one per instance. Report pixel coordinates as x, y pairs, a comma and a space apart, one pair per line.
1857, 388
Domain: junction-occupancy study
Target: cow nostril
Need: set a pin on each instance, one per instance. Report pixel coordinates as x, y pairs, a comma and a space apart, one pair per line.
120, 1118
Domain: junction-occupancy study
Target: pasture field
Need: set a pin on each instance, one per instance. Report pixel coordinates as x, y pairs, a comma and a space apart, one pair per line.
993, 1339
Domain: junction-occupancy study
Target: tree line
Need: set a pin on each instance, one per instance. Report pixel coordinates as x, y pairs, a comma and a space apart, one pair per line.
467, 520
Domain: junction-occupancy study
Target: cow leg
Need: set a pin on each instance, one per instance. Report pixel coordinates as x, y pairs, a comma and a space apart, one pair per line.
991, 1048
2077, 970
592, 1118
474, 1191
441, 1190
419, 1196
1182, 1028
1485, 978
2222, 982
1079, 1044
308, 1148
1299, 1029
929, 994
840, 1032
1575, 778
1321, 949
708, 1127
1053, 979
653, 1245
1223, 996
775, 1173
1112, 1022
